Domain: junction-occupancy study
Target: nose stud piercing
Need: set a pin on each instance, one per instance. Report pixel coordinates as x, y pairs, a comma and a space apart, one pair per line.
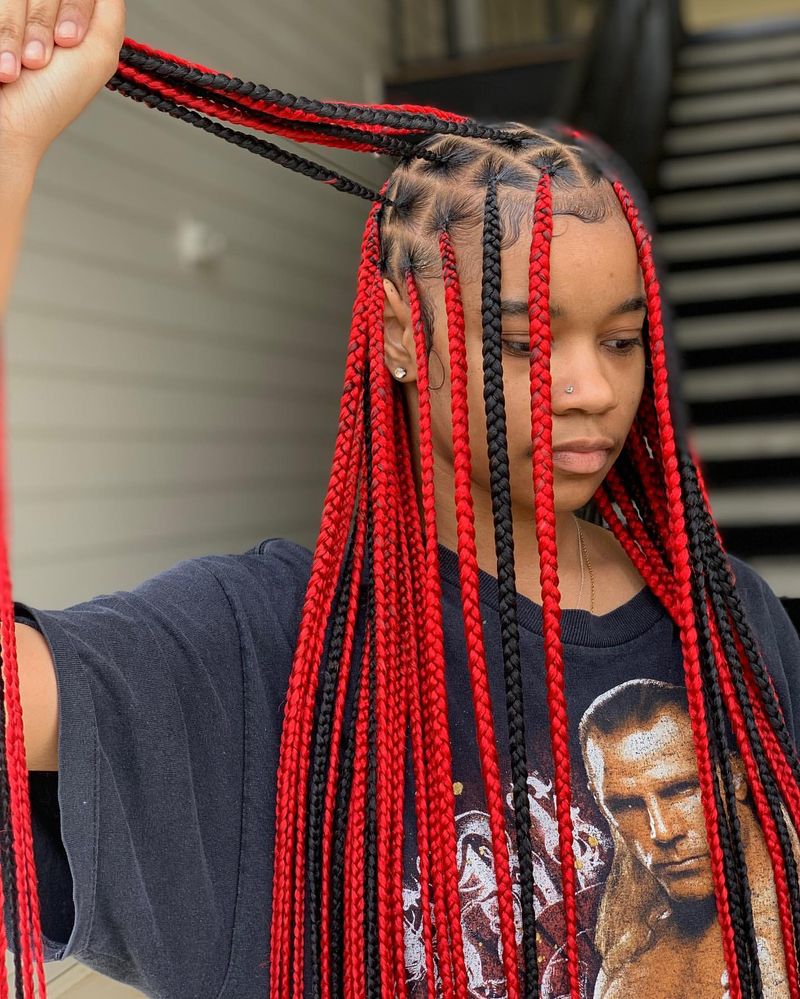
400, 373
570, 389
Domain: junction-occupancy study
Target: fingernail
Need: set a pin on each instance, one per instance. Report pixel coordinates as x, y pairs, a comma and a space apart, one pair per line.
8, 64
68, 30
34, 51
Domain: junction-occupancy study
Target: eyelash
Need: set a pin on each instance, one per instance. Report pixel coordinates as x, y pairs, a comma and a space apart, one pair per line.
628, 346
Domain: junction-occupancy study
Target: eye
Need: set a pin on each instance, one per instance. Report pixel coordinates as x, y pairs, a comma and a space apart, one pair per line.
624, 346
521, 348
517, 348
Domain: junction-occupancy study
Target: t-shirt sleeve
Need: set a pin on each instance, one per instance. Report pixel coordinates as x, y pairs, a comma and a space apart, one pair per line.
776, 636
137, 837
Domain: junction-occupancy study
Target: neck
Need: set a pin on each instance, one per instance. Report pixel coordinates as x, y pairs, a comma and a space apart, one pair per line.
526, 558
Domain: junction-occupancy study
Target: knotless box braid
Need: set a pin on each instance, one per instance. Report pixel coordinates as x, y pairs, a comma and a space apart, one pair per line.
355, 704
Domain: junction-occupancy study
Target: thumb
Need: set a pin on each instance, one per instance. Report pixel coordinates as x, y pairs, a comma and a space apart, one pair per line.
107, 26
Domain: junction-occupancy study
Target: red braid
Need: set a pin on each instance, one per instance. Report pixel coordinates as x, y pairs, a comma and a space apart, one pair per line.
32, 958
542, 437
476, 655
447, 907
679, 545
336, 735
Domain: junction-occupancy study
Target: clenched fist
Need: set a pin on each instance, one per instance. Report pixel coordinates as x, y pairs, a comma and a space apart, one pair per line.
55, 55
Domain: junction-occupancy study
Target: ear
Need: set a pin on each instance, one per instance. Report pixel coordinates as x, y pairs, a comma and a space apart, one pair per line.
398, 333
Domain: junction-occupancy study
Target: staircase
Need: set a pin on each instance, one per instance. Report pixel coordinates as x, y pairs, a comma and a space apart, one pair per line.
728, 215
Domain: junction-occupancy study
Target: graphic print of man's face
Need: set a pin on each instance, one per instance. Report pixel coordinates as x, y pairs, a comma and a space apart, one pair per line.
645, 780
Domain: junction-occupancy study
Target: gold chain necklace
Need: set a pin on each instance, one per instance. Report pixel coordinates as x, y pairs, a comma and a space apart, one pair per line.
585, 554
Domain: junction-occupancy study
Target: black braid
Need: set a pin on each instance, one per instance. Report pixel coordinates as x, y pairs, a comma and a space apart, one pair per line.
343, 792
390, 145
323, 109
372, 963
321, 757
7, 859
735, 866
248, 142
506, 579
732, 603
772, 793
344, 786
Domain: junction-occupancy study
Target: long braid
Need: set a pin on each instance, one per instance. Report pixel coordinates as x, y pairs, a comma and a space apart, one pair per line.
541, 435
9, 889
762, 781
414, 599
372, 957
473, 626
323, 744
135, 84
18, 834
329, 918
685, 607
729, 828
507, 590
299, 702
447, 909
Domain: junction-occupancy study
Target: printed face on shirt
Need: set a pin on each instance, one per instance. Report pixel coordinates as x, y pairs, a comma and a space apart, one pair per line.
646, 782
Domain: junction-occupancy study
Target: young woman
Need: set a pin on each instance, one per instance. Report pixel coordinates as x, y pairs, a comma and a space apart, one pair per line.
476, 744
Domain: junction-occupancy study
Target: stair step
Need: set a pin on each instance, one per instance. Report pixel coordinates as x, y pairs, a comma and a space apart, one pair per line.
699, 207
750, 281
760, 408
754, 505
759, 74
751, 471
715, 442
731, 329
730, 241
736, 382
752, 355
750, 132
781, 572
713, 169
744, 104
750, 541
716, 53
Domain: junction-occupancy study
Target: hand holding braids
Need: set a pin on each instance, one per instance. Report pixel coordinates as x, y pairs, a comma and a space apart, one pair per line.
369, 667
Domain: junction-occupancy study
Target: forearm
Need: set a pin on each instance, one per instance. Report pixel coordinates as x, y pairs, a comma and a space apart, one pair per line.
16, 184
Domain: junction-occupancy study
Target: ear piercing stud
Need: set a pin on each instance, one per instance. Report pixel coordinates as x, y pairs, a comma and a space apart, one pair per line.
400, 373
569, 389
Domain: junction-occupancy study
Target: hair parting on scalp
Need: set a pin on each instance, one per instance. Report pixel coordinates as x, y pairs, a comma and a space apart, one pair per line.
368, 679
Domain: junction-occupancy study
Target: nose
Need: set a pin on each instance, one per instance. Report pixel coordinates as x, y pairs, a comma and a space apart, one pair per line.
583, 369
660, 829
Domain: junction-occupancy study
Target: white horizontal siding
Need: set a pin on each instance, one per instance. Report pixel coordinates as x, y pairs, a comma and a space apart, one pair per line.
157, 413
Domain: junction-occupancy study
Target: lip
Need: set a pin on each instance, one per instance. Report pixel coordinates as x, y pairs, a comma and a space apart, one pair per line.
585, 444
678, 866
585, 462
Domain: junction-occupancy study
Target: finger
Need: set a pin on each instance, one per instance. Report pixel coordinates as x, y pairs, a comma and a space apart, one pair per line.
72, 21
37, 45
12, 27
108, 28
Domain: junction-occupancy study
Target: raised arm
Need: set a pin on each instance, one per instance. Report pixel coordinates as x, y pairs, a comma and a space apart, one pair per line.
39, 96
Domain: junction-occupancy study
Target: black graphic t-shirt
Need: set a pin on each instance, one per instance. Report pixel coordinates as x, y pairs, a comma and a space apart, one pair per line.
154, 841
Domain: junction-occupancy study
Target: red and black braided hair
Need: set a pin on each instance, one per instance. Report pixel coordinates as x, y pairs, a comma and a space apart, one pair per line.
337, 904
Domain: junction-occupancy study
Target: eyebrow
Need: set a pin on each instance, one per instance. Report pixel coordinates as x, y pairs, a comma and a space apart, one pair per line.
516, 307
